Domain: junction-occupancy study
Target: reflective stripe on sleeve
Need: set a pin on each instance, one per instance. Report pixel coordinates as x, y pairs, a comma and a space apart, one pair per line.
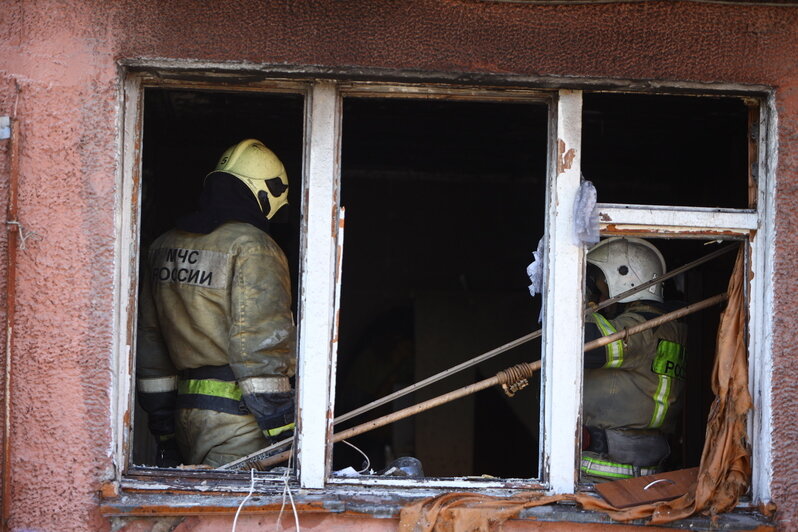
668, 364
661, 401
276, 431
615, 349
157, 384
265, 385
670, 360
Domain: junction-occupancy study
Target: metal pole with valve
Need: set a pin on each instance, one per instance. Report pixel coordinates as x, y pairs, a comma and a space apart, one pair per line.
511, 379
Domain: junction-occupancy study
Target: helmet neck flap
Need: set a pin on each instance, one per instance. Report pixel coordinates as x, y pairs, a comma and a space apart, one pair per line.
224, 198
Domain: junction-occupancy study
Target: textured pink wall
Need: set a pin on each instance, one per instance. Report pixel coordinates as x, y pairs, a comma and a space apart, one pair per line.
62, 57
61, 366
785, 341
6, 102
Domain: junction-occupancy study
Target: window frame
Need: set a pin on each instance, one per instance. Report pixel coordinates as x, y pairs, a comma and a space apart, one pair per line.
450, 93
321, 247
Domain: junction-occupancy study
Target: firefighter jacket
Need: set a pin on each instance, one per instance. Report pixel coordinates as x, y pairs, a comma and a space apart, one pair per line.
216, 329
635, 383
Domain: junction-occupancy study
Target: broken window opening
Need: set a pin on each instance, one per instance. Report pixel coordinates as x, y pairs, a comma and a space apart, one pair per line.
683, 151
667, 150
683, 423
185, 133
446, 200
443, 203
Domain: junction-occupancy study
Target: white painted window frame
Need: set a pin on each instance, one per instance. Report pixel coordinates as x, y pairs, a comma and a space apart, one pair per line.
433, 91
561, 378
562, 338
758, 226
317, 298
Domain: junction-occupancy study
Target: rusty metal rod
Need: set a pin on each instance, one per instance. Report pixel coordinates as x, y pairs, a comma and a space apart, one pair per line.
528, 368
526, 338
655, 322
11, 298
438, 376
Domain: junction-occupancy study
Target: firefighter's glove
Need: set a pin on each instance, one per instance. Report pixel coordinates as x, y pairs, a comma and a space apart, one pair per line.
274, 413
167, 453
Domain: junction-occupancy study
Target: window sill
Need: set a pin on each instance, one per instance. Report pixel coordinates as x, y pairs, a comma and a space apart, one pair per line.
216, 497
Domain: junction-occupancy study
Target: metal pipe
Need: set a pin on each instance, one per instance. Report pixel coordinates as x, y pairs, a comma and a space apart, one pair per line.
655, 322
435, 378
487, 383
522, 340
528, 367
401, 414
13, 230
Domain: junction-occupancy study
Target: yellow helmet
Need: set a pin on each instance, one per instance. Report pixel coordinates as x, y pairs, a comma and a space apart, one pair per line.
260, 170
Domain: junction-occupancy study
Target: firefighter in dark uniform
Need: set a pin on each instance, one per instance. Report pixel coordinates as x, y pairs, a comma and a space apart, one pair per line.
216, 333
633, 387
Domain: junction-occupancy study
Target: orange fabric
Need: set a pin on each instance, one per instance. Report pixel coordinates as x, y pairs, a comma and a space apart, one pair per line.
723, 475
467, 512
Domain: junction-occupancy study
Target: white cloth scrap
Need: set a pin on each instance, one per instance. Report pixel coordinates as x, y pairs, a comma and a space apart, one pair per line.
535, 270
586, 222
346, 472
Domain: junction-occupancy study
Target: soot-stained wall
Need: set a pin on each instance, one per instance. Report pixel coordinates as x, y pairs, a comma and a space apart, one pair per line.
60, 76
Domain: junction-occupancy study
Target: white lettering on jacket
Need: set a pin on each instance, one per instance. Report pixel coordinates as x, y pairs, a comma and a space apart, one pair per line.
197, 267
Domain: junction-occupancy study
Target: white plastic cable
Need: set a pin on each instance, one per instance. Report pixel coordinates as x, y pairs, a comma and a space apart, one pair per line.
251, 491
287, 490
368, 460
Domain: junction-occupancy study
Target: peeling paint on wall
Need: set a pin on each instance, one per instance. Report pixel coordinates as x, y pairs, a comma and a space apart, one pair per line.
565, 158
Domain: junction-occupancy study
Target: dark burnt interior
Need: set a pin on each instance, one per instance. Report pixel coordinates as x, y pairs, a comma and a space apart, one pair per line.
445, 202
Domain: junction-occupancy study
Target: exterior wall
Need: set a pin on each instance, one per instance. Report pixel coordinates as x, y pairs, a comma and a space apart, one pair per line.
60, 375
6, 102
59, 68
785, 363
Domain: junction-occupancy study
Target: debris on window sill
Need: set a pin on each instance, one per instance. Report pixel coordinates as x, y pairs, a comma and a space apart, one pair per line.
387, 504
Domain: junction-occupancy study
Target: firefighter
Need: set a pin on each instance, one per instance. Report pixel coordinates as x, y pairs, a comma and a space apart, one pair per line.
216, 332
633, 387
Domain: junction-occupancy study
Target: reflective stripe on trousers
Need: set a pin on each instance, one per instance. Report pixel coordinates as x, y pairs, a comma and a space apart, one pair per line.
211, 394
607, 469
